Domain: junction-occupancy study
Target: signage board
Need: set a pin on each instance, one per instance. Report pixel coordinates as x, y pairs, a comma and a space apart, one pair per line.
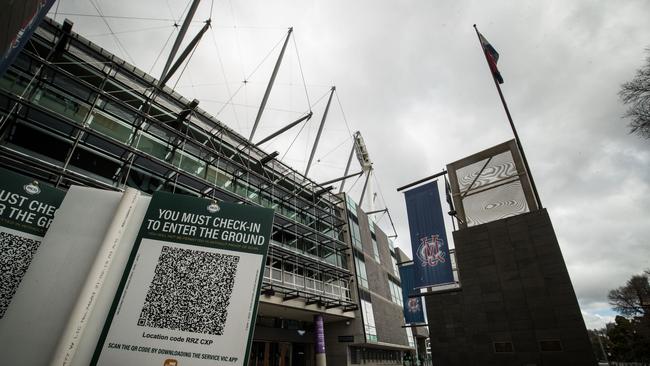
190, 289
27, 208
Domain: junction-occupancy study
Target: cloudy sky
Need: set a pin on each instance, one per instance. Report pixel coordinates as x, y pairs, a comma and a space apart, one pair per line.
411, 77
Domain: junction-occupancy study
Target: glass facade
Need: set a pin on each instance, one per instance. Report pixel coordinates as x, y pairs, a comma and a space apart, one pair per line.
85, 117
307, 277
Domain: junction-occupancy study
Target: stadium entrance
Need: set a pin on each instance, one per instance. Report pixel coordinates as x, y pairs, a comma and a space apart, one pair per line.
279, 354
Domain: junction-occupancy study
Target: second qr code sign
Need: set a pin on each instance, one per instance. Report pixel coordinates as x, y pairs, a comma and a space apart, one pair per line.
189, 293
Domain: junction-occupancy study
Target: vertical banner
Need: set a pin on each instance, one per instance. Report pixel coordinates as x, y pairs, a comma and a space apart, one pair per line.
413, 310
19, 19
26, 210
428, 237
190, 290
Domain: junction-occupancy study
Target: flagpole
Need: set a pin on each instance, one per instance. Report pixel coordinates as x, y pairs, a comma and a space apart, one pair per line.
512, 125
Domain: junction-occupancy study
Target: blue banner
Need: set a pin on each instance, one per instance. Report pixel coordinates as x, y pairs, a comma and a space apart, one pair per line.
413, 307
428, 237
19, 20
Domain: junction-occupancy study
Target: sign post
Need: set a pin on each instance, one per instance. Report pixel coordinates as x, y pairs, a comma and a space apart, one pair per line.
190, 290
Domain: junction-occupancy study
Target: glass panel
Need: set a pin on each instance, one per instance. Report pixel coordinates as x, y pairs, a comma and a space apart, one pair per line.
361, 271
395, 268
117, 110
61, 104
152, 146
276, 274
300, 281
217, 176
110, 126
355, 232
13, 83
73, 87
188, 163
328, 255
369, 321
375, 250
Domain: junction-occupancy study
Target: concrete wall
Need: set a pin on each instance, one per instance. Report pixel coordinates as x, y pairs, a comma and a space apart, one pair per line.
389, 317
515, 288
336, 351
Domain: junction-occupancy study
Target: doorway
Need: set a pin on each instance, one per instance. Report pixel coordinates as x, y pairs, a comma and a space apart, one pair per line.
271, 354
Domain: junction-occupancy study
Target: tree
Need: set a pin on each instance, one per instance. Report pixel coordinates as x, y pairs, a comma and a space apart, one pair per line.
633, 299
629, 338
636, 94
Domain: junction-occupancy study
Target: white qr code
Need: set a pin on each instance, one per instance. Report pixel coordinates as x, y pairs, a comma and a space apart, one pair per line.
16, 255
190, 291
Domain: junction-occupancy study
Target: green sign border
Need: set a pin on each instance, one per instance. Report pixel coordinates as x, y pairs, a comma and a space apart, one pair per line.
190, 204
16, 183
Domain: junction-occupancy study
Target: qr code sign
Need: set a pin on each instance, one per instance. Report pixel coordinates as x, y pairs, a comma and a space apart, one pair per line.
17, 253
190, 291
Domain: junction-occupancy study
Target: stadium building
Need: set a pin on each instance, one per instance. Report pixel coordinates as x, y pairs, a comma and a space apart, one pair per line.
72, 113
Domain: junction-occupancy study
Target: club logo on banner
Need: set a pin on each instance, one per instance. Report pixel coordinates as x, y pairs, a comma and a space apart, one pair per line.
414, 305
413, 311
430, 251
428, 237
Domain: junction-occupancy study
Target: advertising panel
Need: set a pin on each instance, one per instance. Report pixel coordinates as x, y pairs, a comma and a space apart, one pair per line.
428, 237
27, 208
190, 290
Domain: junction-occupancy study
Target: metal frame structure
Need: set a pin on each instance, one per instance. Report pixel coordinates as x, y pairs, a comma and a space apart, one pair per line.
82, 115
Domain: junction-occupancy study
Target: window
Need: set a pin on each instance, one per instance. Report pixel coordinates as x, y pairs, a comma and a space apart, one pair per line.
14, 83
369, 321
375, 248
217, 176
151, 145
62, 104
296, 276
110, 126
395, 268
355, 232
550, 345
188, 163
395, 292
362, 276
503, 347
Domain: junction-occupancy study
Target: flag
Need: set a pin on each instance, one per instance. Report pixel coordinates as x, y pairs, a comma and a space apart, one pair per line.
492, 57
448, 195
429, 245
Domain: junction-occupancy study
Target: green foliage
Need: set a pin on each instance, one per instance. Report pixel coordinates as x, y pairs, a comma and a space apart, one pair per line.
628, 338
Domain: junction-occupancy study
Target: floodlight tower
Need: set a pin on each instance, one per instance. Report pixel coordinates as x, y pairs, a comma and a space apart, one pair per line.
366, 167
